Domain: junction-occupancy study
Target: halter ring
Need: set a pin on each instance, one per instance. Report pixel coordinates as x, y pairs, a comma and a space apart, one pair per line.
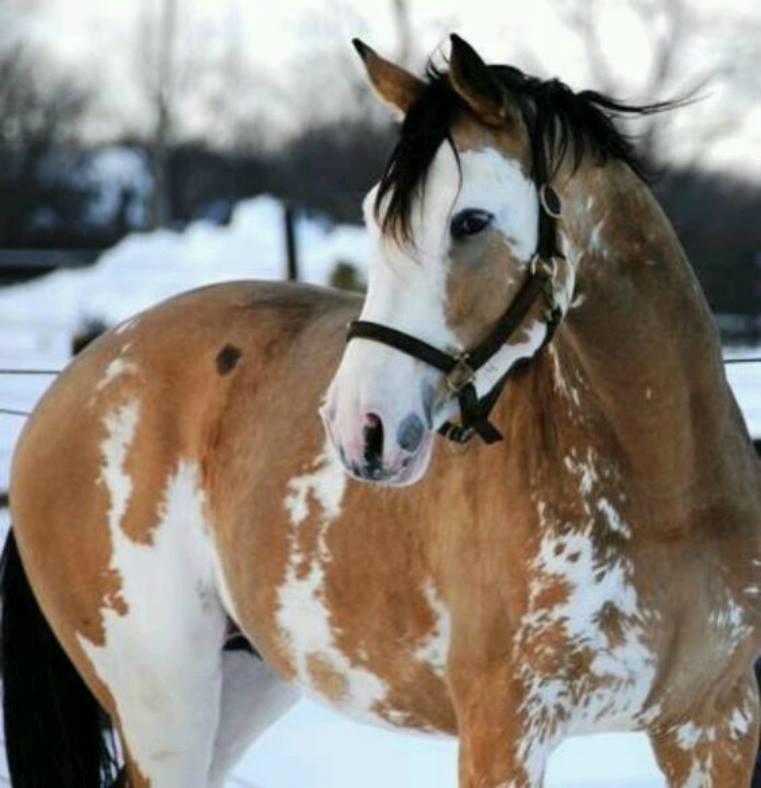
550, 201
461, 374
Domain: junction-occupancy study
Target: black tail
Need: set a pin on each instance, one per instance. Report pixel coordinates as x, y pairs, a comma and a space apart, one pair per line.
56, 733
756, 781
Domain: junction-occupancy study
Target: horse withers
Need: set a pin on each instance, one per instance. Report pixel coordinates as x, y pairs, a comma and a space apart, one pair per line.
597, 569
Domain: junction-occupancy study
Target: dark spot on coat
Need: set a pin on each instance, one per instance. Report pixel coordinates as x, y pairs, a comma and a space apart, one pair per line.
227, 358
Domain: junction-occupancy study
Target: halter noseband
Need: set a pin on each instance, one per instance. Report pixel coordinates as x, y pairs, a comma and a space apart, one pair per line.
460, 370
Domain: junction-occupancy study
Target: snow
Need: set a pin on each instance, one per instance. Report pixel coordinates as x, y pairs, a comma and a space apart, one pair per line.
308, 749
149, 267
114, 173
745, 380
311, 747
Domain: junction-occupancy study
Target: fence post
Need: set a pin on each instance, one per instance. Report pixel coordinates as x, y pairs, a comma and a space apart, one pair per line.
290, 243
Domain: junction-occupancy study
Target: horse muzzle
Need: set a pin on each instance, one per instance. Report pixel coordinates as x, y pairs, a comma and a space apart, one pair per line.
377, 448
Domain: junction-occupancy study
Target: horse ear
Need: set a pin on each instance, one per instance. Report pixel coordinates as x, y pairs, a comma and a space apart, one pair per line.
472, 81
395, 87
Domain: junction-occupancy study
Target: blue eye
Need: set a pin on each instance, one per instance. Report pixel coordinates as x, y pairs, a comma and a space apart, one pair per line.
470, 222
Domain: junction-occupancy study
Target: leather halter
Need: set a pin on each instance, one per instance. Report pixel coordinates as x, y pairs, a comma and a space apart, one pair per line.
460, 370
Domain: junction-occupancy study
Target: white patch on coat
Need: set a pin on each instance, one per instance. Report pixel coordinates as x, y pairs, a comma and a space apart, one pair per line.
115, 369
585, 471
326, 482
613, 518
730, 622
120, 426
687, 735
160, 659
434, 649
700, 774
127, 325
622, 666
564, 288
302, 614
595, 239
562, 386
739, 723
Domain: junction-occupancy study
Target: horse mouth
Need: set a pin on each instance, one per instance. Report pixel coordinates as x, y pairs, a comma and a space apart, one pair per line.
408, 470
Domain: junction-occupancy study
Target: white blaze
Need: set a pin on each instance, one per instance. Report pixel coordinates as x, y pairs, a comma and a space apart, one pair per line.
407, 283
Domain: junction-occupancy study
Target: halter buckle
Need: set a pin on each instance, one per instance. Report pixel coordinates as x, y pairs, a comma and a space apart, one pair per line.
461, 374
545, 269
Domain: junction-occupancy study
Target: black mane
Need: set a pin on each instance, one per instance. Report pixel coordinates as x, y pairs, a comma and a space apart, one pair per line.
559, 122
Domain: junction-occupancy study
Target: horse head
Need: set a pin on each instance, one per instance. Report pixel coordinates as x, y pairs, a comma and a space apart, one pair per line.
473, 266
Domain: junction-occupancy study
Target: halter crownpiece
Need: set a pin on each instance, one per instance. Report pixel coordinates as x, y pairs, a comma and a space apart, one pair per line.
460, 370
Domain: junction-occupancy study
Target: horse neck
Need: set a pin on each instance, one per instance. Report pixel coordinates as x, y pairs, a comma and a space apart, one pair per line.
638, 353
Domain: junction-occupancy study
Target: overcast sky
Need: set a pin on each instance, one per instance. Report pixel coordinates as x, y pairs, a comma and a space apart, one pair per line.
297, 51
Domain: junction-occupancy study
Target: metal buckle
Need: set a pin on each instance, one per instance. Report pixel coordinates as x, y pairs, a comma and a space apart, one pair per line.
550, 201
461, 374
542, 268
458, 434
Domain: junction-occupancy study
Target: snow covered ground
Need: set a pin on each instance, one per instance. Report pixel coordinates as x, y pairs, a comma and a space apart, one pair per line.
310, 747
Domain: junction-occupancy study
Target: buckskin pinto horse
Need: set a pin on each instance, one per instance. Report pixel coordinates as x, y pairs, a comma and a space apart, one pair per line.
597, 570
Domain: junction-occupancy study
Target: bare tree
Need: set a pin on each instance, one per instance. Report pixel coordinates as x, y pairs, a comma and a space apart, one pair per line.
35, 114
403, 23
674, 29
193, 74
41, 108
160, 81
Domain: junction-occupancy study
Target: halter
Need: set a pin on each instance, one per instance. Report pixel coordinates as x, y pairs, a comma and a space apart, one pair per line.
460, 370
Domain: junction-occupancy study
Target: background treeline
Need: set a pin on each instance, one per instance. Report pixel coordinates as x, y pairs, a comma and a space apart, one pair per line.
327, 169
56, 193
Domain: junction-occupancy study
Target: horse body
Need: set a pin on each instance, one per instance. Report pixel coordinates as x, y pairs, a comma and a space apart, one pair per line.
599, 570
414, 608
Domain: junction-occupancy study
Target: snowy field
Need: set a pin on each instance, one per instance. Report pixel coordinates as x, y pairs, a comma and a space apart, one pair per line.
310, 747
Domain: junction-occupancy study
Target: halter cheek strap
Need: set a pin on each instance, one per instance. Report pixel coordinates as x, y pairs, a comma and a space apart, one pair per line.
460, 370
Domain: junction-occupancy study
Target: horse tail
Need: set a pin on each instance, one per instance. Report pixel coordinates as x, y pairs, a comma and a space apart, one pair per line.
756, 779
56, 733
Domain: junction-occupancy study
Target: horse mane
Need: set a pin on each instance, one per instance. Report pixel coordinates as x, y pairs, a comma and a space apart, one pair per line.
559, 122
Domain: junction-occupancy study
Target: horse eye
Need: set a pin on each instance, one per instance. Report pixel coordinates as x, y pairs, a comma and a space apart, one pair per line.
470, 222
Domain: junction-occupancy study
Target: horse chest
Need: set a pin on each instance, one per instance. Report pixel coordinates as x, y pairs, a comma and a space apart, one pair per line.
360, 660
352, 635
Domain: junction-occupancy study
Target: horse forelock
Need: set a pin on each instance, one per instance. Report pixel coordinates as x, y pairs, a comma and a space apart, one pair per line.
561, 126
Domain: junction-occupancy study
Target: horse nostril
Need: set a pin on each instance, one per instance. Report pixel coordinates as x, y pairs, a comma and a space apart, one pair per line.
373, 435
410, 432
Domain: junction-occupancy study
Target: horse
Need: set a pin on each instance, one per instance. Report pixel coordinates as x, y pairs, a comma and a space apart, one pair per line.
578, 551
